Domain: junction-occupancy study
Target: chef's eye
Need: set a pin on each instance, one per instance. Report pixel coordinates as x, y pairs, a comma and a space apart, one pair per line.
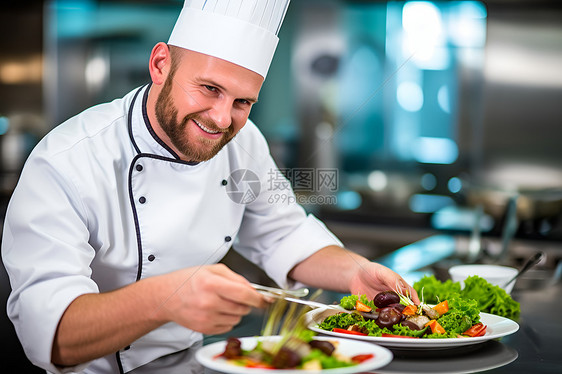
243, 102
210, 88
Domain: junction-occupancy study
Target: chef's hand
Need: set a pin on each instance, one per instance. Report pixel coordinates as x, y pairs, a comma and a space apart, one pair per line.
339, 269
372, 278
211, 299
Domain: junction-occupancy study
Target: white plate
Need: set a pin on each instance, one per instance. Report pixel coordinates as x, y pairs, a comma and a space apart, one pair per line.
207, 356
497, 328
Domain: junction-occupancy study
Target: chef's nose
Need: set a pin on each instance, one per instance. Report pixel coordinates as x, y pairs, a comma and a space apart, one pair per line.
221, 114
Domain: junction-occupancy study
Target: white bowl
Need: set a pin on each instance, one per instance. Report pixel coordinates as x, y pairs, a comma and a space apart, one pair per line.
495, 274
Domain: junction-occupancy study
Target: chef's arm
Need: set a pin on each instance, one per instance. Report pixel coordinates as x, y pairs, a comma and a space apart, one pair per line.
338, 269
209, 299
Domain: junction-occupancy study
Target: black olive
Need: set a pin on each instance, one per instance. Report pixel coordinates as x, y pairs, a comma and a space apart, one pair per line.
399, 307
388, 317
326, 347
233, 348
286, 358
385, 298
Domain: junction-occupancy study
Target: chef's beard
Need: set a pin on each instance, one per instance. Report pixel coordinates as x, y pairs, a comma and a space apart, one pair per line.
193, 150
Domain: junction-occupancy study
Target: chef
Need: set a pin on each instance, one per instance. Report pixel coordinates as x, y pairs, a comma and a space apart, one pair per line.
113, 233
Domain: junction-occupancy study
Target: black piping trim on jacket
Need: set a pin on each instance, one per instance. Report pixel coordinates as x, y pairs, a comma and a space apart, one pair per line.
132, 201
131, 169
135, 217
151, 130
119, 364
129, 118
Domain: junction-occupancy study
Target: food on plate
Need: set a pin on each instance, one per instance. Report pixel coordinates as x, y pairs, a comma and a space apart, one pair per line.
490, 298
286, 343
452, 318
386, 298
294, 353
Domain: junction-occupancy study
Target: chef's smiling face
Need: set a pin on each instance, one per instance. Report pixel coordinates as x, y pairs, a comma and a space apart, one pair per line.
202, 103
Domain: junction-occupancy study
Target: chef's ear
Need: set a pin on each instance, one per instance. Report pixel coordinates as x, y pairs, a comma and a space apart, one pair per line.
160, 63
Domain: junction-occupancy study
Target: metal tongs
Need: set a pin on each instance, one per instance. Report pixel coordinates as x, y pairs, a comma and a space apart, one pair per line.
316, 304
301, 292
293, 296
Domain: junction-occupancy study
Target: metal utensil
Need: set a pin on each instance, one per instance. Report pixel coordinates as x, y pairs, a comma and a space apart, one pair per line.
315, 304
301, 292
532, 261
293, 296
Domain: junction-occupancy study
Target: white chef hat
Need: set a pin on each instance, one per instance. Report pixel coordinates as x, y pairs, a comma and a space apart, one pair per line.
243, 32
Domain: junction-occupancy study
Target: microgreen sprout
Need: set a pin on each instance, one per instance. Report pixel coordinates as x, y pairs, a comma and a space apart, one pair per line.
287, 320
404, 299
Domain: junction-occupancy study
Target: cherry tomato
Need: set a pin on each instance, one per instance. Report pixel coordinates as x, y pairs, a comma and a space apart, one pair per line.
360, 358
258, 365
344, 331
478, 329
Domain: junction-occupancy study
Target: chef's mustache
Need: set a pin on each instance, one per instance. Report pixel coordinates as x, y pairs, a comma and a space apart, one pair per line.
207, 123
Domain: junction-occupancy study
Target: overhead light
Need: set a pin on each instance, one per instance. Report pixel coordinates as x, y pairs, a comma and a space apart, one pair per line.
19, 71
434, 150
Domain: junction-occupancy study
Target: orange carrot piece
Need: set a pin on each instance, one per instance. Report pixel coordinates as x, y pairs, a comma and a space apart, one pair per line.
410, 310
442, 307
362, 307
436, 327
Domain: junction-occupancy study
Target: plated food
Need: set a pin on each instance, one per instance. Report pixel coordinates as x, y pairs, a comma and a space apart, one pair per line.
391, 319
290, 353
368, 357
287, 345
391, 314
497, 327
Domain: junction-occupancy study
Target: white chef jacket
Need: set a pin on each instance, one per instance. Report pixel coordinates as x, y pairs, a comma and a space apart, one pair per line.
102, 202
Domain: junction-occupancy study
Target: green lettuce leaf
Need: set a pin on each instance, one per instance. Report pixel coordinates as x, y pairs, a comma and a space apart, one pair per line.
349, 302
434, 291
489, 298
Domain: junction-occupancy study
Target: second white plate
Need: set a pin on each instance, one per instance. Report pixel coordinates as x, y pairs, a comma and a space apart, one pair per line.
207, 356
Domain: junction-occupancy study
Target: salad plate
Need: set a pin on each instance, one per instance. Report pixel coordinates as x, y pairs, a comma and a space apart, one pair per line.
497, 327
208, 357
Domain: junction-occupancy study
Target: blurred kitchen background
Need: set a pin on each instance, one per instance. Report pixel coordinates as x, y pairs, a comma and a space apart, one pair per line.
442, 119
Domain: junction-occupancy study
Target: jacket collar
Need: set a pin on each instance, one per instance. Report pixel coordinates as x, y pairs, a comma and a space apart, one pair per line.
142, 134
